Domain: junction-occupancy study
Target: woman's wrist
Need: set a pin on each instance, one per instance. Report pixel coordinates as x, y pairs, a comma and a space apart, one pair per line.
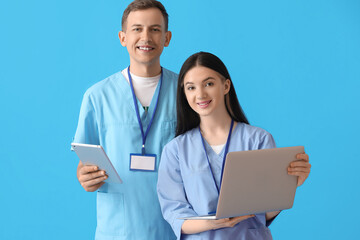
196, 226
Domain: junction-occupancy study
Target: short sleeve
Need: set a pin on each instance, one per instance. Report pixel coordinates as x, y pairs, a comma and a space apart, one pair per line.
267, 141
171, 192
87, 128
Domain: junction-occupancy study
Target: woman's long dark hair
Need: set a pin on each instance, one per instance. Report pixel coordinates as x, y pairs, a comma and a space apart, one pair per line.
187, 118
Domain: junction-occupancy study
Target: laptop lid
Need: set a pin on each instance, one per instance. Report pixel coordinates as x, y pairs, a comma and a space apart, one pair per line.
256, 182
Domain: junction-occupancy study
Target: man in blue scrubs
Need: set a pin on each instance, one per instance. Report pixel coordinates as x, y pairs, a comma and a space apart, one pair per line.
132, 115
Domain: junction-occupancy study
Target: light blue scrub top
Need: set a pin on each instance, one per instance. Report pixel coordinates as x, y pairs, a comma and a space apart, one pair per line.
107, 117
186, 186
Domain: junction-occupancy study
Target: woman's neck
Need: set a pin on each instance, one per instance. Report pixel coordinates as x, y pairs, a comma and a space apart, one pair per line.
215, 130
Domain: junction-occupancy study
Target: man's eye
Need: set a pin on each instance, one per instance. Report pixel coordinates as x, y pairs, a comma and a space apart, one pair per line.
156, 30
136, 29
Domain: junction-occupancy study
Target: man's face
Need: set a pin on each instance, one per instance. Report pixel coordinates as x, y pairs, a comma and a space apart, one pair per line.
144, 36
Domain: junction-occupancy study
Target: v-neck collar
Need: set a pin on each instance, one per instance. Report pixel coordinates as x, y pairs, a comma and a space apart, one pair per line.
211, 151
127, 95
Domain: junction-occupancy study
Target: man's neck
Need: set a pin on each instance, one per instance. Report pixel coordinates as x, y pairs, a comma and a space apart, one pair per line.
145, 70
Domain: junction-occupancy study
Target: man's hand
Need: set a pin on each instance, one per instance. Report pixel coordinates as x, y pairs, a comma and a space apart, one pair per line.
90, 177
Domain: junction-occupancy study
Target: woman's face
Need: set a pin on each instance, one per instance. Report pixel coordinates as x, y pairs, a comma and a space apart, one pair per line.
205, 90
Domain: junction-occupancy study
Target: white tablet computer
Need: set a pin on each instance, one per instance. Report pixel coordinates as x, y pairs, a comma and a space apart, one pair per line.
95, 155
256, 181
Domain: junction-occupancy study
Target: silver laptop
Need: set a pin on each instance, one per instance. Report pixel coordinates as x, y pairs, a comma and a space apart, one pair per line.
256, 182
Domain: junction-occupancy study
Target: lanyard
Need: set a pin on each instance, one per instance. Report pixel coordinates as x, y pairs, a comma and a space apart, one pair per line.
144, 135
226, 151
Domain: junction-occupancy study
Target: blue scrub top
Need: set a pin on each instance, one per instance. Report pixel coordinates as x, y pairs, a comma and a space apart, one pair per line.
107, 117
186, 186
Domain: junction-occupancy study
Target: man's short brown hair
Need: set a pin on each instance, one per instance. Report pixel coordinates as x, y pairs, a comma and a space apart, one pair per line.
142, 5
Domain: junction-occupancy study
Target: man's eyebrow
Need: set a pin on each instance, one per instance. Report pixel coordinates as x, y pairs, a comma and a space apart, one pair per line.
140, 25
156, 25
208, 78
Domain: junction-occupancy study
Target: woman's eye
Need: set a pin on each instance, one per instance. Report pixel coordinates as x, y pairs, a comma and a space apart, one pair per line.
190, 88
209, 84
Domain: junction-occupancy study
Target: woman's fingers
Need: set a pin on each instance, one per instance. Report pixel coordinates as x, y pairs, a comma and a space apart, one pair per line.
301, 174
302, 156
231, 222
236, 220
300, 163
300, 168
228, 222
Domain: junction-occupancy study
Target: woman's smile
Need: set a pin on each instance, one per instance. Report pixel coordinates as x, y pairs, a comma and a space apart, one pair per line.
204, 104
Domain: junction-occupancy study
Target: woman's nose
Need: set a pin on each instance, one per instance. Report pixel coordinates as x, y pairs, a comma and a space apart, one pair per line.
201, 94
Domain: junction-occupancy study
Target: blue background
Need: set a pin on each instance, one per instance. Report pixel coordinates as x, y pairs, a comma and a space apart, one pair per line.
296, 68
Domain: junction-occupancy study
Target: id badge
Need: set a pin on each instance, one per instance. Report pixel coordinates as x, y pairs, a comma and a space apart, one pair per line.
139, 162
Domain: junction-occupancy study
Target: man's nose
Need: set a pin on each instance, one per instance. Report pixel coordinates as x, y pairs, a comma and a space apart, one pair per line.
145, 35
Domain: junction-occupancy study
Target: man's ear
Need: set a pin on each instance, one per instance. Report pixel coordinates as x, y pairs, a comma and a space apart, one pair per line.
122, 37
168, 35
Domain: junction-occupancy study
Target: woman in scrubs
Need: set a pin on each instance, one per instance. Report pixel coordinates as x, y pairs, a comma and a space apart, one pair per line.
210, 123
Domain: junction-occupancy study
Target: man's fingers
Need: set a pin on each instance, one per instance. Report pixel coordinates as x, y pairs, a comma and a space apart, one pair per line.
88, 168
93, 182
92, 175
95, 187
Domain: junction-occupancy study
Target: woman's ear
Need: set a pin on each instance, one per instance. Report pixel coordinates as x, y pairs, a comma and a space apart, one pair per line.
227, 85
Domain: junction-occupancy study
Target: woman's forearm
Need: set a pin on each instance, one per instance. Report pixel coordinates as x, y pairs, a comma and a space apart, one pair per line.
195, 226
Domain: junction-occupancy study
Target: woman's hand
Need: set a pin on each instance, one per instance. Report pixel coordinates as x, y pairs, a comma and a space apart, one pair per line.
227, 222
300, 167
197, 226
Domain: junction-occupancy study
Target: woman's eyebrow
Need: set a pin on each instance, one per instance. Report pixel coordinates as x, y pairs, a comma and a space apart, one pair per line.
201, 81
